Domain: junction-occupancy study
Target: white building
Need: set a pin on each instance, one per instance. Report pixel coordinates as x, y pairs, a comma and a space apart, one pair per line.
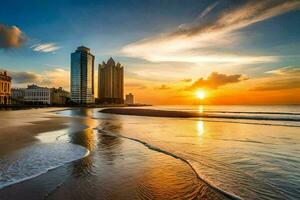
37, 95
129, 99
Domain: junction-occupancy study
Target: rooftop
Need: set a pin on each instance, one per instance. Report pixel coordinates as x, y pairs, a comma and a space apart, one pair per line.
83, 49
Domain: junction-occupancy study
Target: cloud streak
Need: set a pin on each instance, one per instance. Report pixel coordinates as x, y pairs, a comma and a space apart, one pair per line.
163, 87
188, 43
11, 37
281, 79
45, 47
285, 71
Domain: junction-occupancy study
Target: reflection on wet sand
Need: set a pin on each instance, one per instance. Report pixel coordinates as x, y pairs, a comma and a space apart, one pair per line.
116, 168
122, 169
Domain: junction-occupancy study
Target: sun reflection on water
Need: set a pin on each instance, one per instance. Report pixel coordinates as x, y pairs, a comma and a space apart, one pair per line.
200, 128
201, 109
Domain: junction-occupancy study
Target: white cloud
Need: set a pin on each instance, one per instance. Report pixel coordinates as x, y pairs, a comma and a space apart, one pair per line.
190, 42
45, 47
285, 71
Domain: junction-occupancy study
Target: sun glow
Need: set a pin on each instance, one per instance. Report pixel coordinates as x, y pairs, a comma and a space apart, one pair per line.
200, 94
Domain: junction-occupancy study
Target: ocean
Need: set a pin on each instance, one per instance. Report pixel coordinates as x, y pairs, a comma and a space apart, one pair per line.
230, 152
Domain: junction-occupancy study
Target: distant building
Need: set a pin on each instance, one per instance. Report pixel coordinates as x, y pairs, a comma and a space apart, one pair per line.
17, 95
59, 96
82, 76
111, 82
5, 89
37, 95
129, 99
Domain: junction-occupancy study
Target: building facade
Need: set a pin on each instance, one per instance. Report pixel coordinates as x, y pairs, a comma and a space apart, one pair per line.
129, 100
111, 82
37, 95
5, 89
82, 76
59, 96
17, 95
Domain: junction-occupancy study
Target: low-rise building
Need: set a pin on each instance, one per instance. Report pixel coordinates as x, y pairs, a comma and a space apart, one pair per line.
59, 96
37, 95
129, 99
17, 95
5, 88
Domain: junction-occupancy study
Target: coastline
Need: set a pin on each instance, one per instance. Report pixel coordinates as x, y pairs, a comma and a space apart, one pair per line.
18, 131
28, 107
143, 166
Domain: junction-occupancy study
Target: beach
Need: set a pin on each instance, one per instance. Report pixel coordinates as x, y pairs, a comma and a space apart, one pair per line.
89, 153
19, 127
111, 168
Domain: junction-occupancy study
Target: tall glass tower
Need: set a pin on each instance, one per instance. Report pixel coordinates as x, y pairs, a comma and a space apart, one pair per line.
82, 76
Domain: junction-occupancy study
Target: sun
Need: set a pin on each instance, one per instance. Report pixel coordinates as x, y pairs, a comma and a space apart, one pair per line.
200, 94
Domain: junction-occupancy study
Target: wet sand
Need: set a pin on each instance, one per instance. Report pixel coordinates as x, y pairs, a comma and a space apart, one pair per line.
19, 128
116, 168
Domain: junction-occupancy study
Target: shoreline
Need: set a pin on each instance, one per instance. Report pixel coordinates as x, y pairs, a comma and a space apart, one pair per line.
16, 133
28, 107
59, 183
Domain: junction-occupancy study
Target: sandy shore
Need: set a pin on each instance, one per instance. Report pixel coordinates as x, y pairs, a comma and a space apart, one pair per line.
18, 128
116, 168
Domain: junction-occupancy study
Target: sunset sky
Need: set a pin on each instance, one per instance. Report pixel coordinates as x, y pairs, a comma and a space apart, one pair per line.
236, 51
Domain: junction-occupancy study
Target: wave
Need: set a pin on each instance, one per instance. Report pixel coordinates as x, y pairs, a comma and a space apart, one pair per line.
189, 163
36, 160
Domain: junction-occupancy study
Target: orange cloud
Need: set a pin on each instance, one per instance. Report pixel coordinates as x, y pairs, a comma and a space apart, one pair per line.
163, 87
11, 37
52, 78
215, 80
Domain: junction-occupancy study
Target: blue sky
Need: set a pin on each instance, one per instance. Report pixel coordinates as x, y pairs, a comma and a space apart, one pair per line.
155, 39
104, 26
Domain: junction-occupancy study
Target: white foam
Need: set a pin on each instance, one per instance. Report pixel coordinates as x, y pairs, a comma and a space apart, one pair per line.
36, 160
39, 158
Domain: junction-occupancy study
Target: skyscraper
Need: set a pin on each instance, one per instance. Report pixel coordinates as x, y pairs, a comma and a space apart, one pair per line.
111, 82
82, 76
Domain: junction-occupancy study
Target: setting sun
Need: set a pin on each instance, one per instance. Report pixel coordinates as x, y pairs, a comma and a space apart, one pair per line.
200, 94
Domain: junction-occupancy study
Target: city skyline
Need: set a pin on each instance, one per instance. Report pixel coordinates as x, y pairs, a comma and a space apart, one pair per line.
235, 52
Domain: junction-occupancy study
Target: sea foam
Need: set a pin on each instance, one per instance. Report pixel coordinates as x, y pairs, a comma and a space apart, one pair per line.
38, 159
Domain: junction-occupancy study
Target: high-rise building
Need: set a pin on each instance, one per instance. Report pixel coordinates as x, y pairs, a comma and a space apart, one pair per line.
129, 100
5, 88
82, 76
111, 82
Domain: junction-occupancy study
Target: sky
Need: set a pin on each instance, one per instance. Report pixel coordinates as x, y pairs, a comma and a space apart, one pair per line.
235, 51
